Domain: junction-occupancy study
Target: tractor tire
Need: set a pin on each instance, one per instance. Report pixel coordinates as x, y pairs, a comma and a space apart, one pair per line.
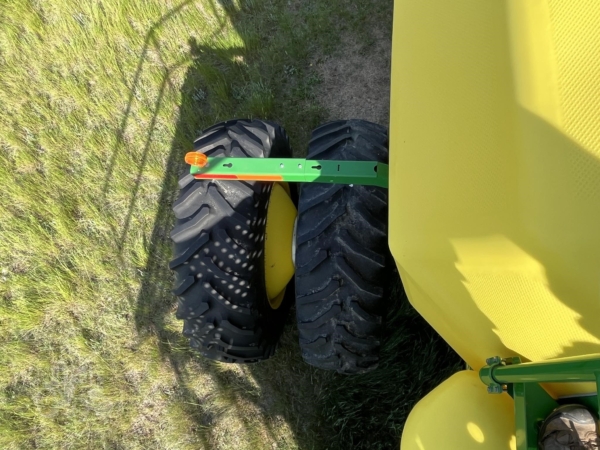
218, 250
341, 253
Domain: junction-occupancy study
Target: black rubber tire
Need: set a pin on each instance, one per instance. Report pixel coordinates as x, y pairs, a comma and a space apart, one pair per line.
341, 253
218, 250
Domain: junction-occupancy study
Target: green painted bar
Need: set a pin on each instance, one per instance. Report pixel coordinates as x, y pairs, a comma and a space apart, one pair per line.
300, 170
563, 370
532, 406
597, 391
532, 402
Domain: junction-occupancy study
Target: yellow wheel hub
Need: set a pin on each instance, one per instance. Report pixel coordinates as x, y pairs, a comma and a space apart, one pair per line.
279, 232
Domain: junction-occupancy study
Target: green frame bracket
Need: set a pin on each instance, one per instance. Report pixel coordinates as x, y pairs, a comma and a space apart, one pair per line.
495, 387
294, 170
562, 370
532, 403
532, 406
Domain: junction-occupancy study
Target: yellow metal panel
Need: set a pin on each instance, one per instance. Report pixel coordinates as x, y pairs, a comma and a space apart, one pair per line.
460, 415
495, 174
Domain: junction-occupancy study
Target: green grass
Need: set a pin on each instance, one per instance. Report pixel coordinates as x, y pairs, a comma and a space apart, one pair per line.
99, 101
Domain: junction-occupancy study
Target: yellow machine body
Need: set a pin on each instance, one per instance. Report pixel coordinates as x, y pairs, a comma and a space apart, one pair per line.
495, 180
460, 415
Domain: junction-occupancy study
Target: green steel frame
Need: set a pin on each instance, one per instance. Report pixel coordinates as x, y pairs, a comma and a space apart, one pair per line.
295, 170
532, 402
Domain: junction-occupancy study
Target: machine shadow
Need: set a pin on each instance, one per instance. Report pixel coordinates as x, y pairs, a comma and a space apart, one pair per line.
278, 396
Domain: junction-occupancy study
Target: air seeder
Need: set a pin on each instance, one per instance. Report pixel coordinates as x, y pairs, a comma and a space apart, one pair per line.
489, 200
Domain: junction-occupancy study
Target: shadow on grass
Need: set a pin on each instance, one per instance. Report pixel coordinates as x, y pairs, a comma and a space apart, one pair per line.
322, 410
277, 395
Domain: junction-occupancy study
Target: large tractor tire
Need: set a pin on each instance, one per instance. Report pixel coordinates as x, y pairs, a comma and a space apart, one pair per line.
219, 250
341, 253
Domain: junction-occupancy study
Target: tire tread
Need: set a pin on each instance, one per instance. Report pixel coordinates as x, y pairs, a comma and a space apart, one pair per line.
339, 276
218, 283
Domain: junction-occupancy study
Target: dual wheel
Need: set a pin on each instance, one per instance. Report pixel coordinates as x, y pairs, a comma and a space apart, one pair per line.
245, 251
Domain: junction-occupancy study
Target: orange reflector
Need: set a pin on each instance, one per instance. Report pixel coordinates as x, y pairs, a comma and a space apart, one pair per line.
196, 159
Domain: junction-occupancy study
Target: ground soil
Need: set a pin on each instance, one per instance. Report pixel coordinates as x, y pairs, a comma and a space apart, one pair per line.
356, 80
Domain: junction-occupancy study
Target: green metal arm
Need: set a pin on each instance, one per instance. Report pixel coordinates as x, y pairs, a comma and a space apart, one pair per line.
294, 170
563, 370
532, 402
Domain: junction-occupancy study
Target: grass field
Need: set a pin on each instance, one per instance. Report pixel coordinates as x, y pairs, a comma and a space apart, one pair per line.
99, 101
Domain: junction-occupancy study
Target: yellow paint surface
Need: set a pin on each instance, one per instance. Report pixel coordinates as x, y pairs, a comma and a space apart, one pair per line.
279, 267
495, 174
460, 415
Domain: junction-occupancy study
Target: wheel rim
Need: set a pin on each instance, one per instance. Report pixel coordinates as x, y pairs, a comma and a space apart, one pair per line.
279, 234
